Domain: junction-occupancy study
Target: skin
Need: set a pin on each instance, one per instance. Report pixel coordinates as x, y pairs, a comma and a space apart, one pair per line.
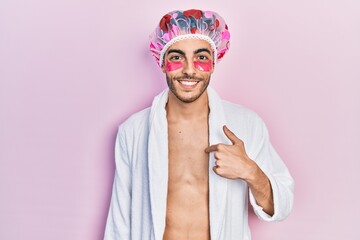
187, 215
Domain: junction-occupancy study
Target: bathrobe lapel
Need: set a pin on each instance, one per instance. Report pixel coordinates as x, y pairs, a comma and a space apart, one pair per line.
217, 184
158, 164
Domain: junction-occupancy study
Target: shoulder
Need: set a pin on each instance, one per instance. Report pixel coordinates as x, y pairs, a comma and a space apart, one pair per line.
136, 122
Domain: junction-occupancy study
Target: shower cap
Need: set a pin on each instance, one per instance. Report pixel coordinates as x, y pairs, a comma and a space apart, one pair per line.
190, 24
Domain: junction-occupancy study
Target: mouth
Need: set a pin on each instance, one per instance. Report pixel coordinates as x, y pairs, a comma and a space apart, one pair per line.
188, 83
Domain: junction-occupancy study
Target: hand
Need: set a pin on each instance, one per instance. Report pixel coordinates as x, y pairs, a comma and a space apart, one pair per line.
231, 161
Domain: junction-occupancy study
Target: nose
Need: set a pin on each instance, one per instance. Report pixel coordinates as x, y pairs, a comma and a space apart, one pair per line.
188, 67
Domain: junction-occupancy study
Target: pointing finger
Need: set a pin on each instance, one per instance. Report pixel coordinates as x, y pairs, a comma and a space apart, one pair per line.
211, 148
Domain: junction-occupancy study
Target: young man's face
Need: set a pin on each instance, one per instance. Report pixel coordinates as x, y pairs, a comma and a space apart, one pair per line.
188, 65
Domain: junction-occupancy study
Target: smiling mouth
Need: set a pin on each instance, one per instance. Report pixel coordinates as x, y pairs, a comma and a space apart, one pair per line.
188, 83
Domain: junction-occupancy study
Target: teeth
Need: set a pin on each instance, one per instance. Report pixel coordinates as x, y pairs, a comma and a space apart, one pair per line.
188, 83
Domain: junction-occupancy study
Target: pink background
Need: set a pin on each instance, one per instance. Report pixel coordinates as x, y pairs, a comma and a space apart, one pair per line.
72, 70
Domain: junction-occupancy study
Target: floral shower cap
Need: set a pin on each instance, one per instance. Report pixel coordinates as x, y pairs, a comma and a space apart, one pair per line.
190, 24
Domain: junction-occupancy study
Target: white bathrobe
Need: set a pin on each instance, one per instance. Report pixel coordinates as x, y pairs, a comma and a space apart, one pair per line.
138, 204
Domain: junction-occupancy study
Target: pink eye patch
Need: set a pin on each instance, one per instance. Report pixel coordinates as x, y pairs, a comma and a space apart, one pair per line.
172, 66
203, 66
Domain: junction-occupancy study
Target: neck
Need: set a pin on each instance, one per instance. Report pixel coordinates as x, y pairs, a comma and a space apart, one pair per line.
178, 110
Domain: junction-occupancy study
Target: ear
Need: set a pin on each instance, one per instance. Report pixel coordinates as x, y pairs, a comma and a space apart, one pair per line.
213, 63
213, 67
163, 67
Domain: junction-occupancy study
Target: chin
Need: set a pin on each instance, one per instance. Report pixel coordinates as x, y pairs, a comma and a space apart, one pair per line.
188, 97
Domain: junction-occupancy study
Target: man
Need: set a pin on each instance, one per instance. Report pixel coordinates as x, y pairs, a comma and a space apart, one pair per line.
186, 166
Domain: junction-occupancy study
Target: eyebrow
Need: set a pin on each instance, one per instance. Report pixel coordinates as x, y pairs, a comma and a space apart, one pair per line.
183, 53
202, 50
175, 51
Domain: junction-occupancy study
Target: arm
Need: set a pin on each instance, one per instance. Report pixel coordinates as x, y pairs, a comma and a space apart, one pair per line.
282, 184
260, 187
119, 218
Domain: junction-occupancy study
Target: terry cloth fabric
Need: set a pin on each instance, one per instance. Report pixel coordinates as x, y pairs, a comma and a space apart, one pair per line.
138, 204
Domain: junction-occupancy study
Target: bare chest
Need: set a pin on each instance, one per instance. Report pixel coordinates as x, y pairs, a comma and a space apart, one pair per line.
187, 158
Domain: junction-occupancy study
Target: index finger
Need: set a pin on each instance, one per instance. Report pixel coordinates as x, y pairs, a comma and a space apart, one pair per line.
211, 148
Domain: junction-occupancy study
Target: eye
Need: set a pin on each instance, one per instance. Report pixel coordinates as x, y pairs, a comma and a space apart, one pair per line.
203, 58
175, 58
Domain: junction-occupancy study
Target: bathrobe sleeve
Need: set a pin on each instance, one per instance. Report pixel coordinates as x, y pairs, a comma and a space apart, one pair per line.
118, 221
281, 181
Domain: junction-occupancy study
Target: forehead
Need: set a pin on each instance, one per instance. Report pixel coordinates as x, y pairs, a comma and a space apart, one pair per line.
190, 45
